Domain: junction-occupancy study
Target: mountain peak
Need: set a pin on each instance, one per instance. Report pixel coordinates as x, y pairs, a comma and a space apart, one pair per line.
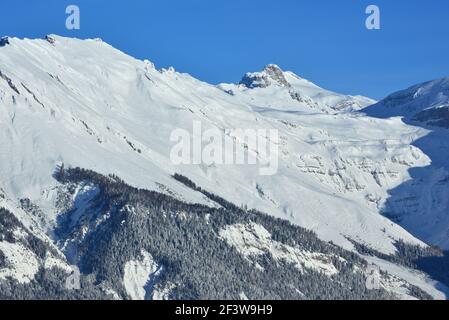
271, 74
272, 68
51, 38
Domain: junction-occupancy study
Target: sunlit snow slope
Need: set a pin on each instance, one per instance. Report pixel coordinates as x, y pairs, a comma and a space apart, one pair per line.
84, 103
421, 204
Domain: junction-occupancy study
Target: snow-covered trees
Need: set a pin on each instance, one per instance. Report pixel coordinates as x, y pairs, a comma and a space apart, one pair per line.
183, 239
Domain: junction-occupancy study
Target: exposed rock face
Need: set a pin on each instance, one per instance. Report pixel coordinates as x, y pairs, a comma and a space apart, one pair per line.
281, 84
271, 74
4, 41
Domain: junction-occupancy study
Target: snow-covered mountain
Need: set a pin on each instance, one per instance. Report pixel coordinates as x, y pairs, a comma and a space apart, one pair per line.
84, 104
275, 88
426, 103
420, 204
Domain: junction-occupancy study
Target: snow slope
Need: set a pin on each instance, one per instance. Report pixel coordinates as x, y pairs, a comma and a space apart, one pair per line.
397, 279
286, 91
414, 102
421, 204
23, 264
140, 275
84, 103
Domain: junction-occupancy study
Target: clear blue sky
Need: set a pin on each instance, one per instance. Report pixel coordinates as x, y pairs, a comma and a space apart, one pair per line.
219, 40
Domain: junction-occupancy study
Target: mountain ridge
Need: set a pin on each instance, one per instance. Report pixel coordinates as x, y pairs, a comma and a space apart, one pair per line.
84, 104
104, 106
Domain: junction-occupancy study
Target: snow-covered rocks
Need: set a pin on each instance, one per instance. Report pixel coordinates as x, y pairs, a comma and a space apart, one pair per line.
21, 264
253, 240
274, 88
86, 104
271, 74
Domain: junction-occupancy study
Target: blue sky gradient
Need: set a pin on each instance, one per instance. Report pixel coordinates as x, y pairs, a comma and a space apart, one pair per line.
217, 41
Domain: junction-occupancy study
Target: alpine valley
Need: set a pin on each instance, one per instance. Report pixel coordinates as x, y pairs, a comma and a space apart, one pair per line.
86, 180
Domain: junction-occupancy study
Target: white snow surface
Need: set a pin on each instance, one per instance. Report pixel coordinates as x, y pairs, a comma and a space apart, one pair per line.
84, 103
138, 276
421, 205
54, 262
22, 264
